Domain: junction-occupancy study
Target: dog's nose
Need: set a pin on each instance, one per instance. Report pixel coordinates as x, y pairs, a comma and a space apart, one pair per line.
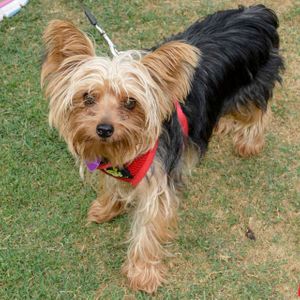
104, 130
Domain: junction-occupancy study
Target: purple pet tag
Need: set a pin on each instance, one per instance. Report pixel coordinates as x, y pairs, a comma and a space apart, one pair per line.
93, 165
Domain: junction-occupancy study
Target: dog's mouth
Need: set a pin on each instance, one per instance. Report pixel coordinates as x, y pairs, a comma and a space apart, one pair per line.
104, 140
117, 149
108, 141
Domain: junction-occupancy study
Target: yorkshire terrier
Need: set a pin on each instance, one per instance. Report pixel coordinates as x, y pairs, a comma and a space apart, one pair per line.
141, 117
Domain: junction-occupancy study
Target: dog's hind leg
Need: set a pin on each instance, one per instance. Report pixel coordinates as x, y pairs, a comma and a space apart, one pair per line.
250, 107
249, 128
224, 126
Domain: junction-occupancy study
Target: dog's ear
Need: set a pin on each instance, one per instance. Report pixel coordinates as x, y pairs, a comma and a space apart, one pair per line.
62, 40
172, 67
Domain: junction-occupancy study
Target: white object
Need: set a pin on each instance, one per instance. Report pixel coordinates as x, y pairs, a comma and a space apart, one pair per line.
9, 8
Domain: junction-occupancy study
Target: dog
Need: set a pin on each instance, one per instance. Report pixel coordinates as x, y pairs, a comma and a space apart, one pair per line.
143, 118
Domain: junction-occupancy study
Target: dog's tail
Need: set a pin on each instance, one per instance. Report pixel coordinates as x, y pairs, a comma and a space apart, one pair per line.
265, 19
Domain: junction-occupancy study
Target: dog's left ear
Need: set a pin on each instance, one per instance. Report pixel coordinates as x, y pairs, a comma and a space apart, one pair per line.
172, 67
64, 43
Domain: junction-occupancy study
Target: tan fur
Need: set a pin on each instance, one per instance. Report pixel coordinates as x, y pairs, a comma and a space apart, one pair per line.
155, 80
225, 125
248, 136
172, 67
153, 206
71, 69
154, 224
105, 208
127, 128
63, 40
114, 198
190, 159
248, 125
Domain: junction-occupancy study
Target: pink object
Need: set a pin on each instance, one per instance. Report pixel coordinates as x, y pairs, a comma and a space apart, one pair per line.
3, 3
9, 8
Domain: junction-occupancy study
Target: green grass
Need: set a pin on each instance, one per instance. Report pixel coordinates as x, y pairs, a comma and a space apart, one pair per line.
46, 249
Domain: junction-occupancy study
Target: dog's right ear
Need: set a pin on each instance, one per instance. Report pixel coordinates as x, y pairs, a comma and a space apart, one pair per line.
62, 40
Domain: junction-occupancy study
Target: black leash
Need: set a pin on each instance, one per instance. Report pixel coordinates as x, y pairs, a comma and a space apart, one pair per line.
95, 23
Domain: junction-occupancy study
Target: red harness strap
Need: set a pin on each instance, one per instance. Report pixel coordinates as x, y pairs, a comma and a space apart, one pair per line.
182, 119
135, 171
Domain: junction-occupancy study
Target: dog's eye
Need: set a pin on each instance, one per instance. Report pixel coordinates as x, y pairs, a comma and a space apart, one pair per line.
89, 99
130, 103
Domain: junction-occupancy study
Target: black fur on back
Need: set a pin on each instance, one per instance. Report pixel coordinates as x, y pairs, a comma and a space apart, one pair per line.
239, 65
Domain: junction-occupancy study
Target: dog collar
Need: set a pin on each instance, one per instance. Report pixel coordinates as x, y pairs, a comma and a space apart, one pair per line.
135, 171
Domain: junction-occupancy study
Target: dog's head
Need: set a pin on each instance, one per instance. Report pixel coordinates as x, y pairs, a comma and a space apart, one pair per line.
111, 108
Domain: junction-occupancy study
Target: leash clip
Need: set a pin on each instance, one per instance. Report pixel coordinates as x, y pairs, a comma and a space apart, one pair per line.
95, 23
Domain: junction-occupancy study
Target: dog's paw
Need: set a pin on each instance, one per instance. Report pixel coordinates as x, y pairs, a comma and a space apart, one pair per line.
103, 211
247, 146
144, 277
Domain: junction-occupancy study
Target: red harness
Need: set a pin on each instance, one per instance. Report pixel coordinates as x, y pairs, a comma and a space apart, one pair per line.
135, 171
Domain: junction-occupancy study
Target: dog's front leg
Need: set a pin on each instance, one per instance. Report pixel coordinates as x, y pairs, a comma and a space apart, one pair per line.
112, 200
104, 209
154, 224
109, 203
